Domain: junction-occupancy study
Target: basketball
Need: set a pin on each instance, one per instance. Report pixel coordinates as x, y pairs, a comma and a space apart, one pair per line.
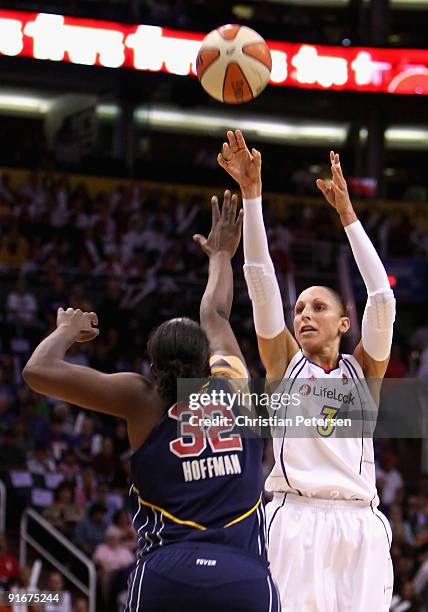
233, 64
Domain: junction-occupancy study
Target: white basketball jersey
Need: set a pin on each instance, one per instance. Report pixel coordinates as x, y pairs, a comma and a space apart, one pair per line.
327, 465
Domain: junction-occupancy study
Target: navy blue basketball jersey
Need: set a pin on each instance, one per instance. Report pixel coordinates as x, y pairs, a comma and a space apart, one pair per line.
203, 486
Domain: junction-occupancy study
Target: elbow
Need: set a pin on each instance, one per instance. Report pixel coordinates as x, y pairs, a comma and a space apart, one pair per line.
209, 311
32, 377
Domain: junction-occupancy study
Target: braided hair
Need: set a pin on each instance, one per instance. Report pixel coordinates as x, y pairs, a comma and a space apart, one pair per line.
178, 348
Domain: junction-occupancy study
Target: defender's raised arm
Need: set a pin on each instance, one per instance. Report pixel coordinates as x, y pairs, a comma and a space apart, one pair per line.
220, 246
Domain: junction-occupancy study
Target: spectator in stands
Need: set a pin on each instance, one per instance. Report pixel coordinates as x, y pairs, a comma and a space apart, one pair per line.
407, 601
110, 556
62, 413
12, 456
420, 582
112, 501
57, 439
401, 529
78, 299
9, 564
64, 513
22, 580
21, 305
128, 534
120, 439
77, 356
80, 605
56, 297
55, 583
106, 464
40, 461
14, 249
69, 466
87, 487
109, 309
389, 480
90, 531
36, 427
83, 441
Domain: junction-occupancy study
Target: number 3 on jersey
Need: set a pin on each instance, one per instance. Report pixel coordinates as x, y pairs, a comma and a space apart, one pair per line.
193, 439
329, 414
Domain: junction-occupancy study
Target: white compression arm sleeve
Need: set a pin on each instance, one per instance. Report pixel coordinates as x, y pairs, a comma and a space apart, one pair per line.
259, 273
379, 313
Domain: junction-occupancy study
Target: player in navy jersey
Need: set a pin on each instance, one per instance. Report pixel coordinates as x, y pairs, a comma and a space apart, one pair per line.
195, 493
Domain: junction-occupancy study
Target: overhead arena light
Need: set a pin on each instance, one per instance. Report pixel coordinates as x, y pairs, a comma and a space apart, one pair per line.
406, 138
202, 122
107, 111
396, 137
25, 104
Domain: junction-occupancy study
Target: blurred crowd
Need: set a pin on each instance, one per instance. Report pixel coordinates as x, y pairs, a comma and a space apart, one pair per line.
128, 254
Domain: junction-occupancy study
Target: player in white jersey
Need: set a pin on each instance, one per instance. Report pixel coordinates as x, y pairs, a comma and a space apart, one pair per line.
328, 544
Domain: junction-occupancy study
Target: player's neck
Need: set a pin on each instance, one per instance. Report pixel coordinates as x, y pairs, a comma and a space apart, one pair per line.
327, 359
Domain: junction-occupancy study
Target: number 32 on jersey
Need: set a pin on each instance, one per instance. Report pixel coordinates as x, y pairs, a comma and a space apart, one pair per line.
195, 436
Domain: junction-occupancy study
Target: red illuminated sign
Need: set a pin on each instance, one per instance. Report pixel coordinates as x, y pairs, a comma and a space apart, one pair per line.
112, 45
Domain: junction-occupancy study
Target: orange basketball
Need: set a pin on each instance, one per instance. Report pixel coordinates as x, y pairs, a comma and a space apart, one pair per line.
233, 64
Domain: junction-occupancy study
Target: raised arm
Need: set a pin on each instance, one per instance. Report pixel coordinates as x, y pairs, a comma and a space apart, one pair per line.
47, 373
276, 344
373, 350
216, 303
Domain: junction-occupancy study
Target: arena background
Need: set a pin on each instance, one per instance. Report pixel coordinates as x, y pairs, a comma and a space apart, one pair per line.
107, 171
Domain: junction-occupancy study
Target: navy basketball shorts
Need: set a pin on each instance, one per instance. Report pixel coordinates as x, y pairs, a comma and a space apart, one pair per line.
201, 577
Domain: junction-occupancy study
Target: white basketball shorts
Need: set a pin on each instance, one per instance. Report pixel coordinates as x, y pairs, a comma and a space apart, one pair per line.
329, 555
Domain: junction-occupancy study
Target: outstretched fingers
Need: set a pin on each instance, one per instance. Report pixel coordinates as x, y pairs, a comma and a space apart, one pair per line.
221, 161
225, 209
232, 141
227, 151
338, 177
322, 186
233, 207
336, 169
240, 140
240, 219
215, 211
199, 239
257, 156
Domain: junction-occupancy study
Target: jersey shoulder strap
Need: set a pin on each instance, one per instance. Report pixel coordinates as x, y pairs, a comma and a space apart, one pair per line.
228, 366
354, 365
295, 363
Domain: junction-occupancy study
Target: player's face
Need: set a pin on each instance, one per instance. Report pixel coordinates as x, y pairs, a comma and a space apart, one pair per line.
317, 319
